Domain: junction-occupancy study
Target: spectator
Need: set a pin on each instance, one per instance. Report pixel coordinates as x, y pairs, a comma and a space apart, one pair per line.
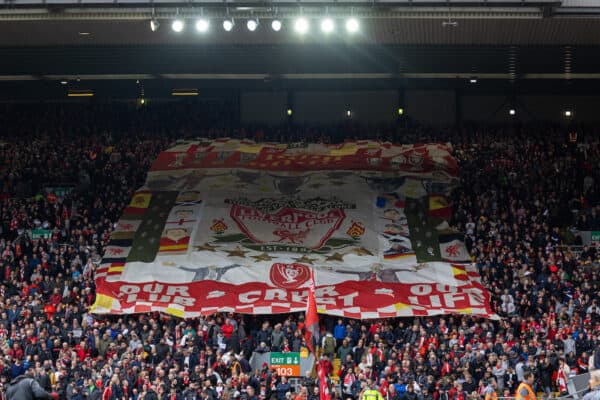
525, 390
370, 393
328, 345
25, 387
339, 332
277, 337
562, 376
283, 389
594, 394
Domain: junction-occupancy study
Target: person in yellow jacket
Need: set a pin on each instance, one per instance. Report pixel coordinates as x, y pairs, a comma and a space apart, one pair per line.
525, 389
371, 393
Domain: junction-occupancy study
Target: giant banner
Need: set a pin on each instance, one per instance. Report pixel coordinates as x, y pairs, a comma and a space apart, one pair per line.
232, 225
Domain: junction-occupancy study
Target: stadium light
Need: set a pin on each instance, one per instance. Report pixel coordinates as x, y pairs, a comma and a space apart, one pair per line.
352, 25
228, 25
568, 113
301, 26
184, 92
276, 25
202, 25
327, 25
512, 111
80, 93
252, 24
154, 24
178, 25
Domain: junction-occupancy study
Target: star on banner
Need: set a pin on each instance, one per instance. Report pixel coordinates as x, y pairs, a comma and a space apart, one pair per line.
205, 247
263, 257
238, 252
335, 257
362, 252
305, 260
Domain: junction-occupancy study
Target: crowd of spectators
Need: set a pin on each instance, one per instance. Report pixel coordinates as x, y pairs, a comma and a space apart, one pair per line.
529, 192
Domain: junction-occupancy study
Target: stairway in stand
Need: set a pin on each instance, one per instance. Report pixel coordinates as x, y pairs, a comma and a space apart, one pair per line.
336, 366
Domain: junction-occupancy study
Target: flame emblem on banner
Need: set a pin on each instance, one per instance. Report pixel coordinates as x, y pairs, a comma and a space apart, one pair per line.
218, 226
356, 230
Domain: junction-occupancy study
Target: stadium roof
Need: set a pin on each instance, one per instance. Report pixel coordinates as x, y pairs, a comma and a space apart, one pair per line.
404, 42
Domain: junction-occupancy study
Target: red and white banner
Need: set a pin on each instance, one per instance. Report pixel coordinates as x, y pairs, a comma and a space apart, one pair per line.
236, 226
353, 299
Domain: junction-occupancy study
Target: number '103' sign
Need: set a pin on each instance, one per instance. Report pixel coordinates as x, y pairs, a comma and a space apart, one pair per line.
285, 364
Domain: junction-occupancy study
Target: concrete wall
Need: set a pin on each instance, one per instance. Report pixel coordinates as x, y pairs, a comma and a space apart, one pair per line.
327, 107
263, 107
432, 107
547, 108
319, 107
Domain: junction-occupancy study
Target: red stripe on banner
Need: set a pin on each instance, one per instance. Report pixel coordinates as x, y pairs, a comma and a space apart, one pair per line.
328, 159
143, 308
193, 149
444, 213
173, 251
134, 211
164, 241
400, 204
398, 256
366, 296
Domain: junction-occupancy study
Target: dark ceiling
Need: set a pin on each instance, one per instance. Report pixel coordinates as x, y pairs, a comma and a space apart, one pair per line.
551, 54
534, 31
277, 59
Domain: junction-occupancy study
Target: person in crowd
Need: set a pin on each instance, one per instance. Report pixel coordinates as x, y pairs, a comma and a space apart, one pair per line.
25, 387
594, 393
525, 390
371, 392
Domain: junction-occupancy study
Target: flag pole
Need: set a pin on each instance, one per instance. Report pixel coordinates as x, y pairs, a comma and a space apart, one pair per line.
312, 329
312, 317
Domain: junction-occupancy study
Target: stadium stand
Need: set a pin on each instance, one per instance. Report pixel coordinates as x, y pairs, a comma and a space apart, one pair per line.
66, 175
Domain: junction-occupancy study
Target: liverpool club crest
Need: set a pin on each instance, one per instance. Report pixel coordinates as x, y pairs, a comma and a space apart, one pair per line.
304, 223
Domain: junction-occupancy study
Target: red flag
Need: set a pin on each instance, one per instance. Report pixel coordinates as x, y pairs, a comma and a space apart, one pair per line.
312, 318
323, 386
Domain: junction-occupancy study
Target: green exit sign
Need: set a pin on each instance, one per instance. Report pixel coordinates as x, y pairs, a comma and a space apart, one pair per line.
285, 359
285, 364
